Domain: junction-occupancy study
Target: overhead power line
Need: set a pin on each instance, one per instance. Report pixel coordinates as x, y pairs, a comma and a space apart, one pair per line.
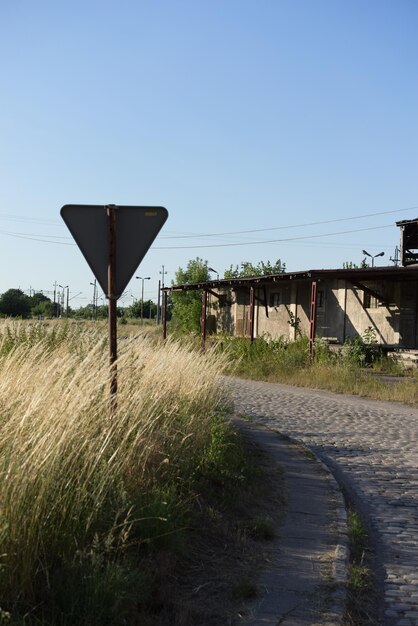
262, 230
35, 238
68, 241
26, 218
264, 241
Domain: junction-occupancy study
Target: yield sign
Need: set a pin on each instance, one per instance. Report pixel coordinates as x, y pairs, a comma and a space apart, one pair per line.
135, 228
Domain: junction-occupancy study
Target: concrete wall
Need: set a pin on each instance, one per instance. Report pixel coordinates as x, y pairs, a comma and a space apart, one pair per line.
343, 311
279, 302
383, 319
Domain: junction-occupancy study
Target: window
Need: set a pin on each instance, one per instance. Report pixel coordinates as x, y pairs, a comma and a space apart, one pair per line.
320, 299
274, 299
369, 301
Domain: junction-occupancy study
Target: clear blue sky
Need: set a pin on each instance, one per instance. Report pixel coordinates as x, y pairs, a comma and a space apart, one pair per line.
235, 115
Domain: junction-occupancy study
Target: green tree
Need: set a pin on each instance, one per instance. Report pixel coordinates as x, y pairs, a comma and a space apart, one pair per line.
88, 313
187, 305
247, 269
349, 265
14, 303
150, 309
41, 305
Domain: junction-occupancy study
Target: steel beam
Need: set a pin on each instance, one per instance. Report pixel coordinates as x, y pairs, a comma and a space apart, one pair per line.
252, 311
312, 319
203, 318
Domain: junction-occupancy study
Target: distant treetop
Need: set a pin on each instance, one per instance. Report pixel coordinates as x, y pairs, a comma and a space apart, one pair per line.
247, 269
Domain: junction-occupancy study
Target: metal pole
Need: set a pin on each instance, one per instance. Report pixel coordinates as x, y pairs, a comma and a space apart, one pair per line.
111, 280
252, 308
203, 319
165, 314
312, 320
142, 301
158, 302
55, 295
94, 299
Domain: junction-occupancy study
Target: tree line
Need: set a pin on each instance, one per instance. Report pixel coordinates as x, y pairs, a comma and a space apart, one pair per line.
15, 303
185, 307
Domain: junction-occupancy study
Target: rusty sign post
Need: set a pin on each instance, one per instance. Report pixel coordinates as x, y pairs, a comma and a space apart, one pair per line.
112, 314
114, 240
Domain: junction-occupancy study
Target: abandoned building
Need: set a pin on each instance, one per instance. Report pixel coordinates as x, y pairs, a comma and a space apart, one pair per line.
335, 304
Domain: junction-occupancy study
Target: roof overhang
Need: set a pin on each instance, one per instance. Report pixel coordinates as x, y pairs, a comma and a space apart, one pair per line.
390, 273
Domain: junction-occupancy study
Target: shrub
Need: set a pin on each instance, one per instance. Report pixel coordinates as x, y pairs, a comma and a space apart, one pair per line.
361, 351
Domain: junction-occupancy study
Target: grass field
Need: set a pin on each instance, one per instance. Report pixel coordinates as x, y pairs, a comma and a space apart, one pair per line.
356, 369
89, 500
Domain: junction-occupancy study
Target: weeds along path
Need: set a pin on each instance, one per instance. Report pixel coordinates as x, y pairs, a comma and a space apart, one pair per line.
372, 448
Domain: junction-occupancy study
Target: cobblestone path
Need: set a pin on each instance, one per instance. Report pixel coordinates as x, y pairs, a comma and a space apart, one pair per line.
373, 449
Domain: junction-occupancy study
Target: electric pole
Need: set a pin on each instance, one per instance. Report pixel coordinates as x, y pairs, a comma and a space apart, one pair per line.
160, 287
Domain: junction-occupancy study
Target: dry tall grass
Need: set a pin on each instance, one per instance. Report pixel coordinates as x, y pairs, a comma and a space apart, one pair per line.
75, 483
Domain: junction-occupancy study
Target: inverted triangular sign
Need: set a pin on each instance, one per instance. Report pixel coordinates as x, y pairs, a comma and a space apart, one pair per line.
136, 227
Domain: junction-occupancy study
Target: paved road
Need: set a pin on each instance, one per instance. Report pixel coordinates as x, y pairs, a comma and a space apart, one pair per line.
372, 447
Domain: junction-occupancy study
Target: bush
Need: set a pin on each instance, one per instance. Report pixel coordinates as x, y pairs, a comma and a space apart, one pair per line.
361, 351
262, 358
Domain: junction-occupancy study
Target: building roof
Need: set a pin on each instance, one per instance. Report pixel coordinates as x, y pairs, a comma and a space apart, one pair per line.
391, 273
403, 222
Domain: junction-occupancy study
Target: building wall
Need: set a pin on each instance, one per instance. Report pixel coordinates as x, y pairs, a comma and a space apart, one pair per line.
330, 313
279, 303
382, 318
408, 327
343, 311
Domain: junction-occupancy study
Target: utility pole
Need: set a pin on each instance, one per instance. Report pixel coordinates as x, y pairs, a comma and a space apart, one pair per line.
55, 299
94, 311
395, 260
162, 280
142, 295
160, 287
63, 297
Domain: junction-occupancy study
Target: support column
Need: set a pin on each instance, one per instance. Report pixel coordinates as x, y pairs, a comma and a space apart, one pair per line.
165, 297
312, 319
252, 309
203, 318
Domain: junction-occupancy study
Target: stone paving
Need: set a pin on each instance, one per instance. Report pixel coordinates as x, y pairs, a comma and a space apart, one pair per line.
372, 447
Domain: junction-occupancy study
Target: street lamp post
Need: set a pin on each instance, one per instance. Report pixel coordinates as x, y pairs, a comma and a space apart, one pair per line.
210, 269
373, 256
142, 295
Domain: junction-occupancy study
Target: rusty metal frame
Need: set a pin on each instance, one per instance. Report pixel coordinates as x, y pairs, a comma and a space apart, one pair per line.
263, 301
164, 313
252, 313
312, 318
203, 319
111, 281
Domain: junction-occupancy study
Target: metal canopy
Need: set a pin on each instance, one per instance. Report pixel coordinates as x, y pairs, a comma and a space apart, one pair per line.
135, 229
